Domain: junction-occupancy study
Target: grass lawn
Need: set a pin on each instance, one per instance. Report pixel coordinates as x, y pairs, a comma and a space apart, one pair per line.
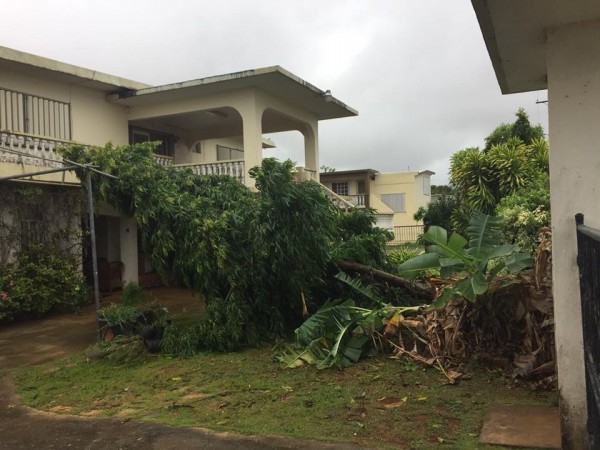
380, 402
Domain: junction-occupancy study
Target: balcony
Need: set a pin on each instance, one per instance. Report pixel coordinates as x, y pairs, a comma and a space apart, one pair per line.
41, 151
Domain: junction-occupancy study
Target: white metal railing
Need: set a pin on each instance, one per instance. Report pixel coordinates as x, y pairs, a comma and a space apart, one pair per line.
42, 151
234, 169
34, 115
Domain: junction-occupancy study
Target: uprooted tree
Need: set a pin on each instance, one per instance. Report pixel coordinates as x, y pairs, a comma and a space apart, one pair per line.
261, 259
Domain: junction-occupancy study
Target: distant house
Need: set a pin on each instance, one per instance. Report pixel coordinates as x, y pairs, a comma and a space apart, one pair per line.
213, 125
395, 196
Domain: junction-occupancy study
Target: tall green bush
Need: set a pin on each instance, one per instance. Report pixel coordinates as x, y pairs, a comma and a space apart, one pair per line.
42, 280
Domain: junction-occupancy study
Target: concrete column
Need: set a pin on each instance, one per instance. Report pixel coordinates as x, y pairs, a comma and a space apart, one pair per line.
574, 109
311, 147
129, 249
252, 134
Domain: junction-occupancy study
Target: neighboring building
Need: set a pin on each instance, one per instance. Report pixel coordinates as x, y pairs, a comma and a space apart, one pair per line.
395, 196
214, 125
533, 45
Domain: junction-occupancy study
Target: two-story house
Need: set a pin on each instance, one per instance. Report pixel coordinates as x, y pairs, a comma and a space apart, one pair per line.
395, 196
214, 125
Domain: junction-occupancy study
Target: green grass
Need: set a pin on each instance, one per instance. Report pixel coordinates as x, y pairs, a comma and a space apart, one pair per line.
248, 393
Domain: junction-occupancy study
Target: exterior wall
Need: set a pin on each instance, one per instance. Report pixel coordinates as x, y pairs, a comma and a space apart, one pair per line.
574, 109
397, 183
95, 121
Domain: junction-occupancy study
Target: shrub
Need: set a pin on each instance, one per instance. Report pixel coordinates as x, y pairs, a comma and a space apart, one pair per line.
132, 295
42, 280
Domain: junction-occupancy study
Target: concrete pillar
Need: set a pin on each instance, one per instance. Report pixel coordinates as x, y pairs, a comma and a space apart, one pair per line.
574, 110
129, 249
252, 134
311, 147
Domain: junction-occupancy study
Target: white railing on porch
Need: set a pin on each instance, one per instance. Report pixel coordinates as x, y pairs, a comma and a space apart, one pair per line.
42, 152
234, 169
162, 159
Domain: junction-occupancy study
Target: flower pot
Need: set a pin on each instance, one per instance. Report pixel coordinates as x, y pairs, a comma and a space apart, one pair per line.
153, 345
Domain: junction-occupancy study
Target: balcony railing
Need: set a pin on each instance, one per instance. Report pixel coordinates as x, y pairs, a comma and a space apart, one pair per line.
41, 151
28, 114
234, 169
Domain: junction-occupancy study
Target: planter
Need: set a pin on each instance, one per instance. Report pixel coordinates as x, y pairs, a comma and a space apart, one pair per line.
153, 345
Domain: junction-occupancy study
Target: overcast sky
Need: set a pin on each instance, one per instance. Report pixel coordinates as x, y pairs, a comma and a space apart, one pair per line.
417, 71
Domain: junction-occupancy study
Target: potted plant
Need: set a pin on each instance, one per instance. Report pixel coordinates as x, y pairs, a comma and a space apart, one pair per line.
153, 332
119, 319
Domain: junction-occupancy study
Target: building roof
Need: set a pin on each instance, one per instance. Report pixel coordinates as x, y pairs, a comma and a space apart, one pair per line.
22, 62
349, 172
515, 36
274, 80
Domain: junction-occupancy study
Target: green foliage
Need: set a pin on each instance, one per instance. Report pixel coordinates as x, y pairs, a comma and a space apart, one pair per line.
360, 240
181, 340
520, 129
253, 255
340, 333
513, 157
525, 212
469, 270
132, 295
438, 212
42, 280
119, 315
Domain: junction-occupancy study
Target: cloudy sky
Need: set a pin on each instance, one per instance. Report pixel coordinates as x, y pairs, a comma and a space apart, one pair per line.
417, 71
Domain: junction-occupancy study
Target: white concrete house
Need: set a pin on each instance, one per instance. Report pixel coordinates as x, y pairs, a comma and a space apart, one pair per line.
213, 125
555, 45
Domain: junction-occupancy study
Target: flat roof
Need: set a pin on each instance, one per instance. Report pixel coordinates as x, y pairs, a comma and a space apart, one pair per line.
22, 62
514, 32
274, 79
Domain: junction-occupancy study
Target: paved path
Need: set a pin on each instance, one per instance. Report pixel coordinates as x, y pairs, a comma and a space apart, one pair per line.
36, 342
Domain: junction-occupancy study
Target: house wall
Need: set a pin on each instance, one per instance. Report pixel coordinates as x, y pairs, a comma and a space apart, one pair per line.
574, 111
94, 120
395, 183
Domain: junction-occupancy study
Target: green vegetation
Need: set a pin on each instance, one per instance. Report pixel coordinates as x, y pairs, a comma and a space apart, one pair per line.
471, 270
43, 279
382, 402
260, 259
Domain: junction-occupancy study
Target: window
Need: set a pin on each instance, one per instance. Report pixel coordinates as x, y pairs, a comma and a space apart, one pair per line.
340, 187
397, 202
228, 153
139, 136
360, 187
426, 186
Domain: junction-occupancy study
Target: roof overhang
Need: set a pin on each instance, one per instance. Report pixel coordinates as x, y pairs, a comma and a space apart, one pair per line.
514, 32
366, 172
27, 63
274, 80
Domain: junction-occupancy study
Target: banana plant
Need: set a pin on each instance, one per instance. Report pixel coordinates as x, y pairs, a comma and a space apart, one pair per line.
469, 266
340, 333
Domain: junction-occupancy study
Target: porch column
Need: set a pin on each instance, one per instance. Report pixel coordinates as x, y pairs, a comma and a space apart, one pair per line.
574, 109
129, 249
311, 148
252, 134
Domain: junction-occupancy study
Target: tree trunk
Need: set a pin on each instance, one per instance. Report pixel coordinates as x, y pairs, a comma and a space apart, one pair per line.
414, 288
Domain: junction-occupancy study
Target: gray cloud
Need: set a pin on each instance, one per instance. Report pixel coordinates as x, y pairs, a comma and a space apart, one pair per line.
418, 72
